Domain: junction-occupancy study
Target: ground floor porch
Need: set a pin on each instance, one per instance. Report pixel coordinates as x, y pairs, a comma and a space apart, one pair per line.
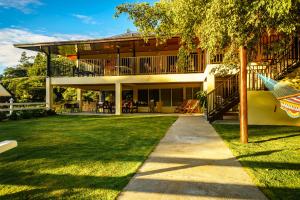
121, 98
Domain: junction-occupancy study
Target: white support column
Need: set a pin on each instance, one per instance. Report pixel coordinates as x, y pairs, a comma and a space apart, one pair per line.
49, 93
118, 98
79, 98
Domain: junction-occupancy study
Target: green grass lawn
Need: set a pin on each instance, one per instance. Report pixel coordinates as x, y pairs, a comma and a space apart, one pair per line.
272, 157
78, 157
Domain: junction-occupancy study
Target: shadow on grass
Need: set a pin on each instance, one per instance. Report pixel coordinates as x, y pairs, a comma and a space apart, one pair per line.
276, 138
260, 153
57, 182
69, 183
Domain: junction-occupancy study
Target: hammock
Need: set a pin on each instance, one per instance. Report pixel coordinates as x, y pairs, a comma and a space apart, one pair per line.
288, 97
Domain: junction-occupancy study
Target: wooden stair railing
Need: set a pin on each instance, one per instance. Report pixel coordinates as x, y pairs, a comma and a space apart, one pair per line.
223, 98
226, 95
288, 61
279, 67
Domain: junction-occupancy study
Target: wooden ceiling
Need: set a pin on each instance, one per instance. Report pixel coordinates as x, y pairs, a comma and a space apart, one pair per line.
127, 47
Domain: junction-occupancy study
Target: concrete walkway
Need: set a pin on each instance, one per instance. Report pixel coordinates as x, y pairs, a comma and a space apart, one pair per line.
191, 162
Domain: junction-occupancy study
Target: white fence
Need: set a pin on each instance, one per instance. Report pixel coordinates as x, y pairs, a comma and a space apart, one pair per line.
11, 106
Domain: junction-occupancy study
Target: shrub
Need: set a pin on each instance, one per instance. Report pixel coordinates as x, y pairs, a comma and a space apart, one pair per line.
51, 112
3, 116
38, 113
14, 115
27, 114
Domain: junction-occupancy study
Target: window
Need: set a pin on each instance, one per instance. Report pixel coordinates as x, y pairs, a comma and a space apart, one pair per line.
109, 96
189, 93
166, 97
154, 94
177, 96
127, 94
143, 97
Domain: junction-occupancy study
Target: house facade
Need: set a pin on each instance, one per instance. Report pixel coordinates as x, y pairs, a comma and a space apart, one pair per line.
125, 66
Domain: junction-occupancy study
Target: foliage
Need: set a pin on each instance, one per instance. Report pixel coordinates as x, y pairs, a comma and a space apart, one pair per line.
58, 93
38, 67
90, 96
27, 114
62, 63
216, 24
293, 79
70, 94
26, 81
3, 116
26, 89
76, 157
202, 97
272, 157
21, 69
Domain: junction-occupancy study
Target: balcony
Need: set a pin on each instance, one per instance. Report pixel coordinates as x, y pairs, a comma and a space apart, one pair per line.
142, 65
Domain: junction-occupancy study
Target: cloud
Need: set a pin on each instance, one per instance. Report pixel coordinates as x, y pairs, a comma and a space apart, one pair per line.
22, 5
9, 55
85, 19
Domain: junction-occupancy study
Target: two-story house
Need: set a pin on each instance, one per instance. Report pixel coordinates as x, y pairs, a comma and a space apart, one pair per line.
126, 65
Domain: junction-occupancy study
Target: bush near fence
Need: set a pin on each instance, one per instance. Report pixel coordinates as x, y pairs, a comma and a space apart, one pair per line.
26, 114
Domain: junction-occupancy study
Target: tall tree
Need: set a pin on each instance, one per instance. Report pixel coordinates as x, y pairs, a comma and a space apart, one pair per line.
38, 68
21, 69
217, 24
229, 25
26, 81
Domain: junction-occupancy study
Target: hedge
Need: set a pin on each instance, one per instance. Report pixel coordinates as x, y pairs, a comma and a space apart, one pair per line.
26, 114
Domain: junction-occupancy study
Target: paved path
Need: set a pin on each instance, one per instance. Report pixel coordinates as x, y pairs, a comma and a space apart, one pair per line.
191, 162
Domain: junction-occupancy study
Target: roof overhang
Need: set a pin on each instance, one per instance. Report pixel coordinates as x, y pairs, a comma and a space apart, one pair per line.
108, 45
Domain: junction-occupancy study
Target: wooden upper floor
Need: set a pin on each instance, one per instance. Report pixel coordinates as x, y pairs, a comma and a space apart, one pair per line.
129, 54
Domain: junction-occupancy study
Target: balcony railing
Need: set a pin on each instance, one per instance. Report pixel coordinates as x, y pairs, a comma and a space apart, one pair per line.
167, 64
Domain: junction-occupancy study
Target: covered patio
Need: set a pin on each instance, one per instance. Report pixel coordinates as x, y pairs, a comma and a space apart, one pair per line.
134, 98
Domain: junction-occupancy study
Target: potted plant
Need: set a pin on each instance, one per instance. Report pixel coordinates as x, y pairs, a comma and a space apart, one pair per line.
202, 97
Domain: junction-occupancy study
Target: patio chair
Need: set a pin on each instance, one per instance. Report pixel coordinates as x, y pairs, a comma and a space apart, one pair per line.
194, 107
186, 106
181, 106
107, 106
134, 108
99, 107
152, 106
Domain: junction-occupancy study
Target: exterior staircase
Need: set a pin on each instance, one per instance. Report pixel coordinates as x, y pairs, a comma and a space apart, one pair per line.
226, 95
223, 98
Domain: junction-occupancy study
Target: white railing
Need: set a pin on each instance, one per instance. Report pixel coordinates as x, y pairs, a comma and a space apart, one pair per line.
114, 66
11, 106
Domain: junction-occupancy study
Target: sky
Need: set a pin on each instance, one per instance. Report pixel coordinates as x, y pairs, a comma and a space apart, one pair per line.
29, 21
